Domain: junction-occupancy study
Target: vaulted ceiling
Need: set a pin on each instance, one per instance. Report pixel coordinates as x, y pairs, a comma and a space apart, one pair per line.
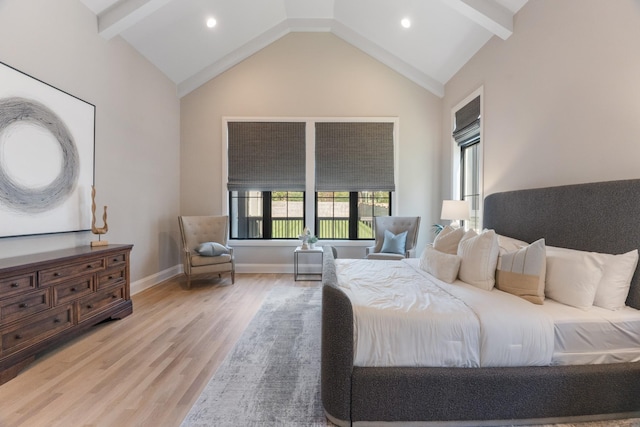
173, 35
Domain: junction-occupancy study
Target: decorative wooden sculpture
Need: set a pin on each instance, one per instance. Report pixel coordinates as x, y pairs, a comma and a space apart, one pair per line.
95, 230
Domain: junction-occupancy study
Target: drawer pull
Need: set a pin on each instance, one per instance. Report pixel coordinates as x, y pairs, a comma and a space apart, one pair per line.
73, 289
56, 320
89, 305
110, 277
14, 285
89, 266
114, 296
116, 260
23, 305
56, 274
18, 336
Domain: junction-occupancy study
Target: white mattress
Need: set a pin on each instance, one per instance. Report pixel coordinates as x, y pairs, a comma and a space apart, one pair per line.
593, 336
406, 317
396, 305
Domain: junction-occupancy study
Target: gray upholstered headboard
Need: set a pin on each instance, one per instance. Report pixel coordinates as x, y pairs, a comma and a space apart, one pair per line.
600, 217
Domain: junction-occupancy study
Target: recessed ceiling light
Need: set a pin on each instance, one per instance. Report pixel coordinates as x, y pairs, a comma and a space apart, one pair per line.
211, 22
406, 23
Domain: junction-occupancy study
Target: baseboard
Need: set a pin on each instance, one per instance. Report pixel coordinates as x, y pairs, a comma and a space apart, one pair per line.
154, 279
264, 268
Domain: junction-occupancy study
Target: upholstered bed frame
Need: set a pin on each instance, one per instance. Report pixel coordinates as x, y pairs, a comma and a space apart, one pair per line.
597, 217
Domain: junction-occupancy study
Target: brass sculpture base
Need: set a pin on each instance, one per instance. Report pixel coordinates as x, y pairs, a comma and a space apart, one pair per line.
99, 243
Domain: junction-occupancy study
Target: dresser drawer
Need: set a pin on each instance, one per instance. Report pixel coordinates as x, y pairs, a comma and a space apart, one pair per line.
116, 260
111, 278
99, 301
72, 290
23, 305
62, 273
17, 284
36, 328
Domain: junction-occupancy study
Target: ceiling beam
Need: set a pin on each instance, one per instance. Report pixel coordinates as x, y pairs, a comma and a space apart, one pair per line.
387, 58
486, 13
124, 14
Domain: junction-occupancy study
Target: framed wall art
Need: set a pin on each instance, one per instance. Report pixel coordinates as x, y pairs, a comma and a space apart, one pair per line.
47, 143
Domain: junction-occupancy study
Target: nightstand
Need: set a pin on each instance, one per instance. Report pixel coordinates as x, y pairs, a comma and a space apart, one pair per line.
311, 263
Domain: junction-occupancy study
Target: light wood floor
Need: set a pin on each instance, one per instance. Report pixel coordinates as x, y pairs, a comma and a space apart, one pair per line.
146, 369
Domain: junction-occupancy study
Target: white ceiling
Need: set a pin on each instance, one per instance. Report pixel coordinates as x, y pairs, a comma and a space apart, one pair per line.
172, 34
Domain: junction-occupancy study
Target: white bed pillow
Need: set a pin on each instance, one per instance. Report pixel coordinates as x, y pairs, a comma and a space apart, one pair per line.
522, 272
441, 265
479, 256
509, 244
447, 240
613, 288
572, 276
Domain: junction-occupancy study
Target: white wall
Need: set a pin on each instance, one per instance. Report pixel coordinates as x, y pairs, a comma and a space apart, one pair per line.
310, 75
137, 151
561, 96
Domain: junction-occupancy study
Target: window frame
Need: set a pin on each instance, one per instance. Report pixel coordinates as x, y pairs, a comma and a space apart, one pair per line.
310, 202
267, 216
457, 175
354, 214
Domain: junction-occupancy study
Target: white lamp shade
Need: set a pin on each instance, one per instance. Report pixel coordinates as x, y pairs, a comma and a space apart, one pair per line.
455, 210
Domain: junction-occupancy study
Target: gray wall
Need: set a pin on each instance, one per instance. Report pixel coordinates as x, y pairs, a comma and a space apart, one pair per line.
137, 154
310, 75
561, 98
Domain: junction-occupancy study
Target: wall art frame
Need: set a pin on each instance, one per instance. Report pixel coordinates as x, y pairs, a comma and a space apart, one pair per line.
47, 157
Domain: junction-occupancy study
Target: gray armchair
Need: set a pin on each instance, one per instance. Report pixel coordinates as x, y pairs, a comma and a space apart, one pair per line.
200, 229
396, 225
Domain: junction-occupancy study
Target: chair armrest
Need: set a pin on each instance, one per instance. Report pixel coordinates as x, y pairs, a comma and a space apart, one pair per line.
411, 253
369, 250
230, 250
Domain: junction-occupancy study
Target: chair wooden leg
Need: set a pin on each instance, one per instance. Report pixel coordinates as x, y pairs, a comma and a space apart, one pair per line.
188, 281
233, 277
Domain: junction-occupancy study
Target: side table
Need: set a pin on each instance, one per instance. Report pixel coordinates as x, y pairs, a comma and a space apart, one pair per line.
310, 254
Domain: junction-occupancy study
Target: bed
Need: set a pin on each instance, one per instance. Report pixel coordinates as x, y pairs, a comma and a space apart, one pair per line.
591, 217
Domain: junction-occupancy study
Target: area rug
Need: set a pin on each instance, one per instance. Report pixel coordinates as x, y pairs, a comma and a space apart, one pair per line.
272, 376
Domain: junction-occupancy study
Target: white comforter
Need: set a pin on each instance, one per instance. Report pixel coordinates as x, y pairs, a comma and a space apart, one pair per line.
405, 317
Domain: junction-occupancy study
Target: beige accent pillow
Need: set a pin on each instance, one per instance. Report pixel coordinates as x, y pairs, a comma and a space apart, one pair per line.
479, 256
447, 240
522, 273
440, 265
572, 276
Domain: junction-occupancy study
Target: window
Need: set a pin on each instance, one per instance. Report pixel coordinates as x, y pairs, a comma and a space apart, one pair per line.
470, 187
266, 179
349, 215
466, 134
355, 176
266, 214
271, 165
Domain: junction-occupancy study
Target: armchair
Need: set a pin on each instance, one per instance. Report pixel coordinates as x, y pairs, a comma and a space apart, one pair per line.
396, 225
200, 229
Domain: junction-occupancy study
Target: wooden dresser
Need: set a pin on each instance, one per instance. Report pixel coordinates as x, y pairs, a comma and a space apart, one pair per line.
48, 297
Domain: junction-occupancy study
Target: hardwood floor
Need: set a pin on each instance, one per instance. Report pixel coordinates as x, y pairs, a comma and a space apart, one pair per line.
144, 370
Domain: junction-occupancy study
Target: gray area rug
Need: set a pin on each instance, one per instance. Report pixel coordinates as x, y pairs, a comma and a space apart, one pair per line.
272, 376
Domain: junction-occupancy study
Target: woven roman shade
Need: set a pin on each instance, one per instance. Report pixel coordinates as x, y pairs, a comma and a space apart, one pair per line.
266, 156
467, 128
354, 156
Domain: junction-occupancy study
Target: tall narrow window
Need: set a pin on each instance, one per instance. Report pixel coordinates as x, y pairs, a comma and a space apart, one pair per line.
266, 179
466, 133
354, 177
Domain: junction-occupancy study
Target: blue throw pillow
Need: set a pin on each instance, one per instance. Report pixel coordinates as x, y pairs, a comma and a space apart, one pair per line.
211, 249
394, 243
